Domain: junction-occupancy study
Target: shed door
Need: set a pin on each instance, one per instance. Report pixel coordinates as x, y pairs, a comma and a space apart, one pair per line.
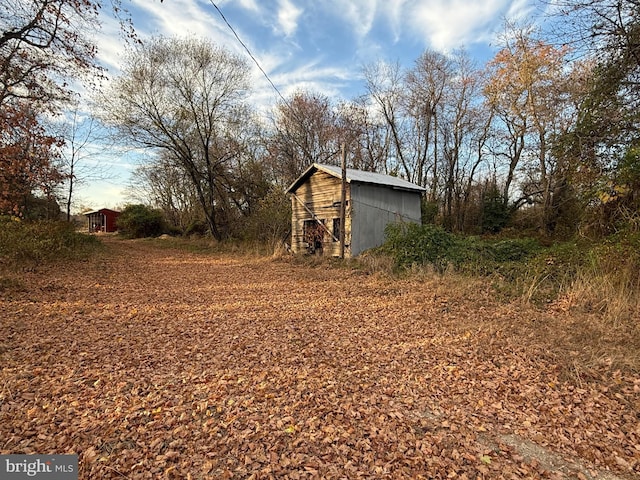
313, 233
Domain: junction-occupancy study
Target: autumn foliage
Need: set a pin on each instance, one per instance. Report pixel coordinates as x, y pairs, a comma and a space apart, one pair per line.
27, 158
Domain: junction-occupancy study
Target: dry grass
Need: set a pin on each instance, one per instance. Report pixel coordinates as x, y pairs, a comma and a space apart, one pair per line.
604, 308
613, 296
377, 264
586, 346
588, 323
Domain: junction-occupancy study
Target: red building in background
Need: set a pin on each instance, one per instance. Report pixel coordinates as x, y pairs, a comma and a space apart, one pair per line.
103, 220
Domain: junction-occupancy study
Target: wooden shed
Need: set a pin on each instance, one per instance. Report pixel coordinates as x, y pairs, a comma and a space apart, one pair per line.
103, 220
372, 201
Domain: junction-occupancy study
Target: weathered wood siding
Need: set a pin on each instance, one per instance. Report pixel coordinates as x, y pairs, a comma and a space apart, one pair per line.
321, 195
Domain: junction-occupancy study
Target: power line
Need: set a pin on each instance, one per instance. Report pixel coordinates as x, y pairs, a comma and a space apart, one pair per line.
286, 102
249, 52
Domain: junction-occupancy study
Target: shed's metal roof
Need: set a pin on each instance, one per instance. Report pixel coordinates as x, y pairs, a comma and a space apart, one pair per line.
102, 210
357, 176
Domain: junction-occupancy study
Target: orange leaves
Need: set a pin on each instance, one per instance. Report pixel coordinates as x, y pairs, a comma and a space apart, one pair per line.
240, 369
28, 157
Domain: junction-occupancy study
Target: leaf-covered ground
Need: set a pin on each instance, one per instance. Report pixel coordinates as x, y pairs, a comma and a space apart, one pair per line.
158, 363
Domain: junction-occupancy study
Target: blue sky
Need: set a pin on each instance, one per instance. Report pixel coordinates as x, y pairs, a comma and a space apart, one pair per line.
315, 45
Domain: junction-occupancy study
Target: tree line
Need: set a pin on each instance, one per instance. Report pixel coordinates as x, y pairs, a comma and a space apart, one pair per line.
544, 137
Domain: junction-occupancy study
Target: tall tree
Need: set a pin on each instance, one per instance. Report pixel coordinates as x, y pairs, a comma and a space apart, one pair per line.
427, 83
367, 136
463, 134
604, 143
162, 183
435, 131
87, 147
28, 159
386, 90
45, 46
527, 90
305, 132
184, 96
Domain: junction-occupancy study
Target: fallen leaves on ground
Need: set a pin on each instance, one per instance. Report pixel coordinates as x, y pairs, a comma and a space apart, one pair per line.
157, 363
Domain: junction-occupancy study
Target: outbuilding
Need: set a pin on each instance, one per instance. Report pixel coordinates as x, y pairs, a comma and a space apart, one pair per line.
373, 200
103, 220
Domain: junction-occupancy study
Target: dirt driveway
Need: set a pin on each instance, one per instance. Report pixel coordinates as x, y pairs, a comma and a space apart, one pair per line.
159, 363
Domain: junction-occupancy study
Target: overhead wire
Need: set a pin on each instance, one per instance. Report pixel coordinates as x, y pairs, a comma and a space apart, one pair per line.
255, 60
286, 102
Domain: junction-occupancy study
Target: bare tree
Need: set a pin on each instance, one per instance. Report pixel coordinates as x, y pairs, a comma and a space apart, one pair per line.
305, 131
427, 84
83, 158
184, 96
463, 132
436, 131
367, 135
386, 89
44, 43
162, 183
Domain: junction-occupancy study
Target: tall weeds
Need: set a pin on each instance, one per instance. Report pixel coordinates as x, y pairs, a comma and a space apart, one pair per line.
608, 283
28, 244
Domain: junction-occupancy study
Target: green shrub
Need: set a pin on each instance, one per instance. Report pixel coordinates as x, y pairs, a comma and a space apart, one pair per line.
495, 213
410, 243
536, 273
174, 231
270, 222
24, 244
429, 211
601, 276
140, 221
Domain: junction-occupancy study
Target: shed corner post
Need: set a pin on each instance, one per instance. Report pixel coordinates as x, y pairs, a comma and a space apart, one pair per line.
343, 200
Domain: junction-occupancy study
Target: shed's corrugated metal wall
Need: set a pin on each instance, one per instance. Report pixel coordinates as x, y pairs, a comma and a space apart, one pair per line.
373, 207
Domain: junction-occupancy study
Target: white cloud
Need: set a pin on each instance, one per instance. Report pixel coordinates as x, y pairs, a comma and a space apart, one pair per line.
290, 76
521, 10
177, 17
182, 18
315, 77
250, 5
449, 24
359, 14
100, 194
288, 15
393, 12
110, 44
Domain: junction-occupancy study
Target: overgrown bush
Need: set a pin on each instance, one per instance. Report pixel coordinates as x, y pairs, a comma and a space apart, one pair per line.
495, 213
140, 221
269, 222
478, 256
25, 244
429, 211
411, 244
